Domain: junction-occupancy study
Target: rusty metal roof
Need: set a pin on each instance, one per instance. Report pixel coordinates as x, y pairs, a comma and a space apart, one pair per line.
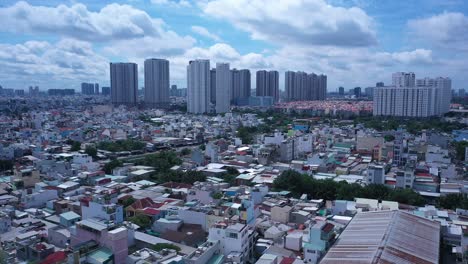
387, 237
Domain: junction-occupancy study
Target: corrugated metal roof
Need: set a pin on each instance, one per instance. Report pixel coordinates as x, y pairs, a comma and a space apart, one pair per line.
387, 237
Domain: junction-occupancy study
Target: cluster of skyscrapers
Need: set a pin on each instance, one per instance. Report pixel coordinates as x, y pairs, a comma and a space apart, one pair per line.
210, 90
124, 83
215, 90
301, 86
409, 97
89, 88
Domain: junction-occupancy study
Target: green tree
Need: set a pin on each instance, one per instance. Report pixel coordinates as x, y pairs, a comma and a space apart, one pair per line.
127, 202
460, 149
6, 165
142, 221
121, 145
3, 257
75, 146
185, 151
454, 201
91, 151
108, 167
162, 161
160, 246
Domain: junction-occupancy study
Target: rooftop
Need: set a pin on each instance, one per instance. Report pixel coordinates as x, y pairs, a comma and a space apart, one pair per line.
387, 237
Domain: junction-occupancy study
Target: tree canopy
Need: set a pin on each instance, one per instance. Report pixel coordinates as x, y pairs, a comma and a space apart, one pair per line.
121, 145
298, 184
142, 221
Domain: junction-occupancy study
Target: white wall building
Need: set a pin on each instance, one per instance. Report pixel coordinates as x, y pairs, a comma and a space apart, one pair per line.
431, 97
198, 86
235, 240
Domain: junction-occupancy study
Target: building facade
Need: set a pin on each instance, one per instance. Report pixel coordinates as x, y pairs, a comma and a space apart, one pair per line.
430, 97
198, 87
240, 88
301, 86
223, 88
157, 83
124, 83
268, 84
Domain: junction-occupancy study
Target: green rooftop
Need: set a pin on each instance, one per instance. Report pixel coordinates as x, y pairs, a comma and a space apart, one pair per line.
102, 255
70, 216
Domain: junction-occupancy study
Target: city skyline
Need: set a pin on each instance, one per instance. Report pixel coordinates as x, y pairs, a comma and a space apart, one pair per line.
360, 42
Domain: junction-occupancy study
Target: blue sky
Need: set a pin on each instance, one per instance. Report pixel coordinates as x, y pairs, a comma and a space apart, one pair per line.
57, 44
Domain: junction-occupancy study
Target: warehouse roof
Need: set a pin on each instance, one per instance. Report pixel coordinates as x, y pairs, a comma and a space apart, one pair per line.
387, 237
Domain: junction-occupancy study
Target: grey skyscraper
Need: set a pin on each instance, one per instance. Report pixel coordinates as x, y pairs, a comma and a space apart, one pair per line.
198, 86
157, 83
223, 88
268, 84
341, 90
87, 88
105, 90
301, 86
124, 83
240, 88
213, 85
96, 88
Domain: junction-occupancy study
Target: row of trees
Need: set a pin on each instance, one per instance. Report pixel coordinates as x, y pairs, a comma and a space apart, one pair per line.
393, 123
454, 201
121, 145
299, 184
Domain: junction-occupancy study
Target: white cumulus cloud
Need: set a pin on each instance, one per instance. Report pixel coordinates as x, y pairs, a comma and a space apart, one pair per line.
297, 22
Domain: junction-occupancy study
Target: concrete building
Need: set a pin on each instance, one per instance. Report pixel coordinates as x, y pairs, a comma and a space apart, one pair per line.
124, 83
301, 86
376, 174
87, 88
240, 88
403, 79
267, 84
213, 86
341, 90
157, 83
411, 101
198, 87
102, 210
236, 241
223, 88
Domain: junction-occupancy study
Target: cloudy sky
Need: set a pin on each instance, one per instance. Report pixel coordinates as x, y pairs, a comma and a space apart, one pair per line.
59, 44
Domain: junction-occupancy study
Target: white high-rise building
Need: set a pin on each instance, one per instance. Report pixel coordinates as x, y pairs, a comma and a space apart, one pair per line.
405, 79
198, 86
223, 88
429, 97
124, 83
157, 83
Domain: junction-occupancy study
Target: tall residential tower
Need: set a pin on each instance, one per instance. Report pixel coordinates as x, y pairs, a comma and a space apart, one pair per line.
268, 84
124, 83
223, 88
198, 86
157, 83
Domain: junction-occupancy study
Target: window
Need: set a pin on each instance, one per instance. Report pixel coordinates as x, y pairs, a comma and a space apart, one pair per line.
232, 235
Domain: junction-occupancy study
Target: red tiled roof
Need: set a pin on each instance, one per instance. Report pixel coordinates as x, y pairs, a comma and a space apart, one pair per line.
287, 260
328, 227
151, 211
54, 258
